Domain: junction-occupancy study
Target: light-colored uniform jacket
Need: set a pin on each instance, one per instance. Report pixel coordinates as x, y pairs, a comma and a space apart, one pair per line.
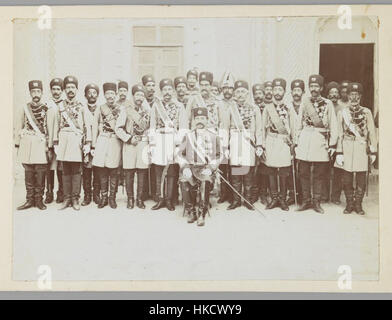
277, 144
53, 109
32, 146
89, 121
243, 137
134, 156
313, 142
70, 143
105, 141
355, 145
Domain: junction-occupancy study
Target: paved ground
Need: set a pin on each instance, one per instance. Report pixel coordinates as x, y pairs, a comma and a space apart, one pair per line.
139, 244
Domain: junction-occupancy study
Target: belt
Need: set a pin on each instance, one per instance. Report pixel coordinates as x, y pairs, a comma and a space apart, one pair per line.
310, 128
107, 134
278, 135
142, 138
68, 129
354, 138
165, 130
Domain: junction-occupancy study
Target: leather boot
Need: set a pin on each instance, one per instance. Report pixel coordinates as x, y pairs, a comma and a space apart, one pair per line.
317, 207
249, 190
104, 186
201, 213
283, 193
39, 189
29, 183
76, 188
60, 191
348, 192
188, 200
129, 186
359, 193
96, 185
191, 213
237, 185
67, 188
141, 183
160, 201
87, 175
49, 186
169, 193
274, 203
291, 198
113, 188
306, 202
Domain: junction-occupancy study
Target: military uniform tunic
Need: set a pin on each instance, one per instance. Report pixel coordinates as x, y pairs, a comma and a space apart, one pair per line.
106, 142
357, 138
33, 146
134, 121
53, 109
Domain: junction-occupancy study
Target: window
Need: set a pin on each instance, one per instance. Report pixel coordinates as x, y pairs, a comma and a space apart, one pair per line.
158, 50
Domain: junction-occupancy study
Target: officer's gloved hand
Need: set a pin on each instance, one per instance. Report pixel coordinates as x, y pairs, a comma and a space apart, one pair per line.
86, 148
206, 172
340, 159
331, 152
372, 158
92, 152
187, 173
259, 151
55, 148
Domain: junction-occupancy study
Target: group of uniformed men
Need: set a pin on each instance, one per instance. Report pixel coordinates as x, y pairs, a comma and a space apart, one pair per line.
192, 135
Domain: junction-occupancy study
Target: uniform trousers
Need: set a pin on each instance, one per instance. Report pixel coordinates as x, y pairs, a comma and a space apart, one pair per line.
35, 181
319, 169
72, 179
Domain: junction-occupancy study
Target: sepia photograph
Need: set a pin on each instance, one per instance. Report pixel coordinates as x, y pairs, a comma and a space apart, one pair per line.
196, 148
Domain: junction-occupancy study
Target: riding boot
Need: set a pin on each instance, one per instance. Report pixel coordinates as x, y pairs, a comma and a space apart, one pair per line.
291, 198
76, 188
96, 185
237, 185
159, 197
283, 193
129, 186
87, 176
201, 213
274, 203
113, 188
141, 183
29, 183
104, 187
67, 189
60, 191
39, 189
249, 186
306, 198
49, 186
169, 193
317, 207
359, 193
349, 200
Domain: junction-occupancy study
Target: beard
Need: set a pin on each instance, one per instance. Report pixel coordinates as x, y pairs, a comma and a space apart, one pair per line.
278, 97
70, 95
258, 100
92, 100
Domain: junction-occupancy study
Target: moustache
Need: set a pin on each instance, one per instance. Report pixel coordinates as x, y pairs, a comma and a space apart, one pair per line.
167, 95
296, 96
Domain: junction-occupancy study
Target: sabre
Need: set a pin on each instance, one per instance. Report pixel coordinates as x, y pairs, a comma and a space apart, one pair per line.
239, 194
294, 182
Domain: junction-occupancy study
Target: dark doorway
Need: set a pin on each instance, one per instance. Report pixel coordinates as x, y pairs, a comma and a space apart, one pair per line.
352, 62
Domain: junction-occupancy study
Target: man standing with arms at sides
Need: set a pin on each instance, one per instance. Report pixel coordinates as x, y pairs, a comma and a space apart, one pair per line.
297, 91
215, 90
149, 89
261, 181
316, 142
192, 77
56, 89
332, 92
72, 142
90, 172
164, 138
107, 153
131, 127
343, 101
33, 143
277, 136
357, 146
245, 144
227, 85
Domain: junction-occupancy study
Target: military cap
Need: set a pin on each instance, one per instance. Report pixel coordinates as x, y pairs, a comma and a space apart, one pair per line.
123, 84
136, 88
35, 84
56, 82
165, 82
257, 86
227, 80
267, 84
109, 86
192, 72
179, 80
316, 78
298, 83
344, 84
354, 86
70, 79
241, 84
215, 84
205, 75
279, 82
147, 78
91, 86
332, 85
200, 111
